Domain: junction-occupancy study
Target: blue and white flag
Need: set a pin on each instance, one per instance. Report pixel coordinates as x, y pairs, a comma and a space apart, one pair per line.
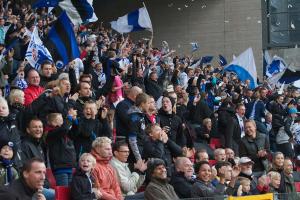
79, 11
277, 65
137, 20
245, 68
195, 46
61, 41
36, 52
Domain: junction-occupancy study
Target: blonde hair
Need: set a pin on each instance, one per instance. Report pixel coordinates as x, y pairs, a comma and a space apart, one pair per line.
52, 116
3, 101
244, 181
99, 141
15, 93
206, 121
273, 175
88, 155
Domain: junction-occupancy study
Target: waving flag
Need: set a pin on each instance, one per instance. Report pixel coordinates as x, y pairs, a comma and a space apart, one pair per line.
61, 41
195, 46
36, 52
206, 60
277, 65
137, 20
79, 11
245, 68
222, 60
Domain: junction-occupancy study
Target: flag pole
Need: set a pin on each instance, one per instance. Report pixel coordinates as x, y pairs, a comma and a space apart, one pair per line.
151, 22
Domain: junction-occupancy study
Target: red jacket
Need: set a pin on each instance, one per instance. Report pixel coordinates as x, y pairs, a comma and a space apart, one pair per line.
32, 92
106, 179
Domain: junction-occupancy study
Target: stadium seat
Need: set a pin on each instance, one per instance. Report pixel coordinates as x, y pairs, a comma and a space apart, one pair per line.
216, 142
62, 193
298, 168
212, 162
50, 178
297, 185
212, 146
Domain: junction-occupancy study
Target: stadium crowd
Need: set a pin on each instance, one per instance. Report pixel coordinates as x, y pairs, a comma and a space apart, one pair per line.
127, 120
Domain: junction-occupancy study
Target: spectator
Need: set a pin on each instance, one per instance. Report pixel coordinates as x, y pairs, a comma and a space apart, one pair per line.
220, 154
121, 114
239, 129
152, 86
47, 73
61, 149
81, 186
16, 101
203, 186
158, 188
158, 145
244, 188
8, 172
29, 185
104, 175
34, 89
255, 146
285, 135
182, 179
32, 142
9, 131
201, 155
274, 182
137, 127
287, 184
129, 181
277, 162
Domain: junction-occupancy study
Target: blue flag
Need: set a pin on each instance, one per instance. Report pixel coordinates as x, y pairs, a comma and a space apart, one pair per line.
206, 60
61, 41
222, 60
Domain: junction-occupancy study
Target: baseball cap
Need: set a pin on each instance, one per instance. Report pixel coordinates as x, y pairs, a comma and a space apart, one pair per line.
244, 160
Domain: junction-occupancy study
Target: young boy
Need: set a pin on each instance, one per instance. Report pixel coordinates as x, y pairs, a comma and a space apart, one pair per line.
274, 181
7, 172
244, 188
82, 182
62, 154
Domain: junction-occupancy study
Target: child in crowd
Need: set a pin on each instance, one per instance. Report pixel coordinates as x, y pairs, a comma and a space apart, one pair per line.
244, 188
274, 181
62, 154
7, 172
82, 181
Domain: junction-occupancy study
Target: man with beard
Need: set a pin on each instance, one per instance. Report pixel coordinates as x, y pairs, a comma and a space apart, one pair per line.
158, 188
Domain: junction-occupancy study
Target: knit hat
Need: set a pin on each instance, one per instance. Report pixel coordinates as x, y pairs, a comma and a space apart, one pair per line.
152, 164
5, 142
293, 110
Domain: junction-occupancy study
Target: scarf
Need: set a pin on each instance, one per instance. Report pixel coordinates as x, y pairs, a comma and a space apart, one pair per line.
8, 164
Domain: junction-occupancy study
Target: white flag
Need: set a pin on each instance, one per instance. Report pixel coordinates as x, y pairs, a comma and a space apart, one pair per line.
36, 52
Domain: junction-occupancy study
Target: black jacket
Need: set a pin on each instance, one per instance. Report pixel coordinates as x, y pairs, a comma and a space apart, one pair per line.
200, 112
61, 148
81, 186
182, 185
31, 147
122, 117
249, 147
17, 190
154, 89
166, 152
9, 132
175, 123
88, 130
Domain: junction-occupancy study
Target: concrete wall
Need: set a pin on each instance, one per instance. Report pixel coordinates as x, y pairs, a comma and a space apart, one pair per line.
219, 26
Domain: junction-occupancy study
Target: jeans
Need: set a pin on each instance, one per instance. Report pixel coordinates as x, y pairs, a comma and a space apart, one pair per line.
63, 179
49, 194
137, 196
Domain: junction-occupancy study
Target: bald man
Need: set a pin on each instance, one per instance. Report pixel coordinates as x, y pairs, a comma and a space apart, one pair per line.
182, 179
121, 116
